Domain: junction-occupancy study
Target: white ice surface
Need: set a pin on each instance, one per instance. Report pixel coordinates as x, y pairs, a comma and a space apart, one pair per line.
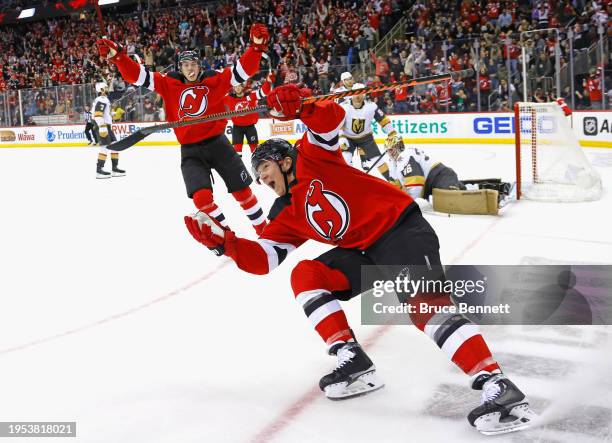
113, 317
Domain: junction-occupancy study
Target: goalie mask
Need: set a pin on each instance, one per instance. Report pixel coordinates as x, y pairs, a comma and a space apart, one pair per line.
394, 146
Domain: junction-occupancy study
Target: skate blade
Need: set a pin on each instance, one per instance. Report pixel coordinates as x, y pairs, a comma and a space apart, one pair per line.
364, 384
118, 174
101, 176
520, 418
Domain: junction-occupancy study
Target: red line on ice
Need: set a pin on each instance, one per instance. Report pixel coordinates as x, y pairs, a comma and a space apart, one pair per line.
117, 316
285, 418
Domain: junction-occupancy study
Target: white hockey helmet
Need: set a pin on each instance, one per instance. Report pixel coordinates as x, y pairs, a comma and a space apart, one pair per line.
345, 76
101, 86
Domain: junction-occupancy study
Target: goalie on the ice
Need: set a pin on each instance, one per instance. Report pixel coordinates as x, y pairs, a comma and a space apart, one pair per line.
370, 222
414, 171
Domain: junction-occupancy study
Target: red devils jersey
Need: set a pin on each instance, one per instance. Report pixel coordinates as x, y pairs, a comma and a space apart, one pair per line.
594, 87
246, 101
331, 202
185, 101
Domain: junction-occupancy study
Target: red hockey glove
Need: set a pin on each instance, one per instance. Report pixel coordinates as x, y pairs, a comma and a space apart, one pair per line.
564, 107
259, 37
108, 48
208, 231
285, 102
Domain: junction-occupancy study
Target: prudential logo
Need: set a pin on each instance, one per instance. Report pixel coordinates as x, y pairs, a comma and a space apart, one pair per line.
51, 135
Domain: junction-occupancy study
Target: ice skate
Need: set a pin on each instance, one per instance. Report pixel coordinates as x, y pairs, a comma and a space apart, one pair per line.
118, 172
354, 375
504, 407
101, 173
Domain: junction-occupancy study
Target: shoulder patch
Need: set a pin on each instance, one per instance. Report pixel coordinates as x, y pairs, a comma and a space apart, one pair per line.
176, 75
209, 73
279, 204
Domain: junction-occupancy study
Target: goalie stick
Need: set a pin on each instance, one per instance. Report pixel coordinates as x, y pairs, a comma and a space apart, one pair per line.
139, 135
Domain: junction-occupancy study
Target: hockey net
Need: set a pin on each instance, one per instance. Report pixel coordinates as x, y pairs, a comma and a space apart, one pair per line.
550, 164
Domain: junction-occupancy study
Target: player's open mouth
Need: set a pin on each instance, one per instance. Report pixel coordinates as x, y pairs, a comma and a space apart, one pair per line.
271, 184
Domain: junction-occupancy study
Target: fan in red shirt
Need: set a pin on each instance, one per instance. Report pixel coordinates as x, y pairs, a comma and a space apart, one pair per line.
370, 222
193, 93
244, 125
593, 86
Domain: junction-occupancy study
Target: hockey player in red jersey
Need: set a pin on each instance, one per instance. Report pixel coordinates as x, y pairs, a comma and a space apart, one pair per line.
244, 125
193, 93
370, 222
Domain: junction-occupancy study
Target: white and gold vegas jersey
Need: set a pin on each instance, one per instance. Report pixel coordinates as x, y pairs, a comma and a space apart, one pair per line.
410, 170
358, 122
101, 108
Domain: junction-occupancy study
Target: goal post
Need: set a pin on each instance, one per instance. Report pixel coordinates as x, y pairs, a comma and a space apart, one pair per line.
550, 164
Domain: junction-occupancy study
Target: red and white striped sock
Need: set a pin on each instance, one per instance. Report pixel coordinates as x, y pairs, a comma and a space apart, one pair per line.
249, 204
313, 284
203, 200
458, 337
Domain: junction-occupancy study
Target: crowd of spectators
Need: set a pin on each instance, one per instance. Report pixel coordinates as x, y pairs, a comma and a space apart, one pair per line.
443, 36
313, 42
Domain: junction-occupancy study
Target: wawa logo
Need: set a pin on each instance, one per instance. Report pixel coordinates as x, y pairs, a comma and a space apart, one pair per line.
193, 102
326, 212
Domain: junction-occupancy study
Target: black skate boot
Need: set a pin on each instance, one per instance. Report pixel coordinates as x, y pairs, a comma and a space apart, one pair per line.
118, 172
101, 173
354, 375
115, 162
504, 407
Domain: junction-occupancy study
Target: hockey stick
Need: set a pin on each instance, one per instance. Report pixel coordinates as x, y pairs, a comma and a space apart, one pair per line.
139, 135
378, 159
100, 20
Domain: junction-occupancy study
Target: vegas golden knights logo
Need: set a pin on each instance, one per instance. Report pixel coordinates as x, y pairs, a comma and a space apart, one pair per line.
358, 125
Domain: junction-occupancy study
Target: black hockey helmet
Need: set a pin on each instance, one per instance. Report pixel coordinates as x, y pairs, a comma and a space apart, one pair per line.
274, 149
188, 54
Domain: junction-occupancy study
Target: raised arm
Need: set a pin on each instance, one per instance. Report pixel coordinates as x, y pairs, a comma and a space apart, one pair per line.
323, 119
132, 72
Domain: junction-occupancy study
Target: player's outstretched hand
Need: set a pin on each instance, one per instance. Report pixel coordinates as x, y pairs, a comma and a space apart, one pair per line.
207, 231
259, 37
285, 101
108, 48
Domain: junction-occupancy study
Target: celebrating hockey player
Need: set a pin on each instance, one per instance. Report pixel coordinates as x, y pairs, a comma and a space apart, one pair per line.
244, 125
421, 177
193, 93
357, 131
369, 222
103, 126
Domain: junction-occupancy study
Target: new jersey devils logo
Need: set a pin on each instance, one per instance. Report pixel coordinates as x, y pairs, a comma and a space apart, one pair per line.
326, 211
193, 102
241, 105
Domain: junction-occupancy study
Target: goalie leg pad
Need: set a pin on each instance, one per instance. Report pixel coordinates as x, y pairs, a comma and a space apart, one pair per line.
481, 202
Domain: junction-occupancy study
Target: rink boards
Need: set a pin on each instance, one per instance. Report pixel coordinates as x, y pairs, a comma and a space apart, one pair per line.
593, 129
